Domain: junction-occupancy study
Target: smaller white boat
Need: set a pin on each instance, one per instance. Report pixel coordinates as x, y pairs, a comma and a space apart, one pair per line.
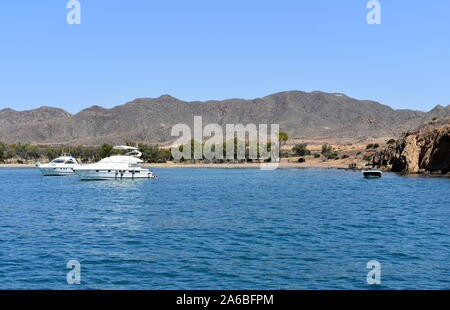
63, 165
372, 173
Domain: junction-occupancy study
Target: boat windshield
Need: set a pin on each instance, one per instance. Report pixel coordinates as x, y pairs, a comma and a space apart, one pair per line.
134, 165
58, 161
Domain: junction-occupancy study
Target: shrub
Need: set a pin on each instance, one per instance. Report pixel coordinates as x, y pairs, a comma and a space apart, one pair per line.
326, 150
391, 141
333, 155
301, 149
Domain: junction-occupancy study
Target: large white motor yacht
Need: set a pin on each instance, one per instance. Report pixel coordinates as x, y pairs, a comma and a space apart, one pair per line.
128, 166
63, 165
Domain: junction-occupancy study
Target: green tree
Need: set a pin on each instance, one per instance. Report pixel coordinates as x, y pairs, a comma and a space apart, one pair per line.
2, 151
282, 137
326, 150
301, 149
193, 144
164, 155
105, 150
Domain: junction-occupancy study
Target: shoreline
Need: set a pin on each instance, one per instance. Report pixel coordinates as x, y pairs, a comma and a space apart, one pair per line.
282, 165
17, 166
326, 165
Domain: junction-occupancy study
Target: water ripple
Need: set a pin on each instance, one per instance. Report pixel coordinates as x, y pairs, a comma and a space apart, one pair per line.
219, 229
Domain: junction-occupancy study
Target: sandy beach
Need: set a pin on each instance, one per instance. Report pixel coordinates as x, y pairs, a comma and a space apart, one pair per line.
283, 164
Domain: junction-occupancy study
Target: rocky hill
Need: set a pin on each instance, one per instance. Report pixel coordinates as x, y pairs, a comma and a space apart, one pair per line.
425, 150
301, 114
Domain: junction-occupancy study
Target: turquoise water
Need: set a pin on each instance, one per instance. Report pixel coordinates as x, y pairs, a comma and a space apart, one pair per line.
225, 229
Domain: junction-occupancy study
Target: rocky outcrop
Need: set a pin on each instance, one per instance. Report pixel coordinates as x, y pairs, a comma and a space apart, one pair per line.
426, 150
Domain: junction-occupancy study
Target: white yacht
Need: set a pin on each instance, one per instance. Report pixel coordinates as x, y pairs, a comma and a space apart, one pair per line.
63, 165
128, 166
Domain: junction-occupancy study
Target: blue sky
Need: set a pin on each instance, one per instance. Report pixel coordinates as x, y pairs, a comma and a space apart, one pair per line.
217, 49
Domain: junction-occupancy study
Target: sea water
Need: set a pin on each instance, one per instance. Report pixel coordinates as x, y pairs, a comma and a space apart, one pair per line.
225, 229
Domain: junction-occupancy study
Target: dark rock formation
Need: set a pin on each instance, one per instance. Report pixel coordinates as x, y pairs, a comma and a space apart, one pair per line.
424, 150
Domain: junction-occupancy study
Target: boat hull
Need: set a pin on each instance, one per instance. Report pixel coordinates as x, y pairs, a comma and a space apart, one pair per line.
91, 174
372, 174
55, 171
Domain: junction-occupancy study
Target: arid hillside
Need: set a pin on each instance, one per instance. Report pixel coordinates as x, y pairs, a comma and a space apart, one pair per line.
300, 114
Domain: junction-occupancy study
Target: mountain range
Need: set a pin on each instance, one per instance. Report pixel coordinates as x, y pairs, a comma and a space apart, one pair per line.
300, 114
